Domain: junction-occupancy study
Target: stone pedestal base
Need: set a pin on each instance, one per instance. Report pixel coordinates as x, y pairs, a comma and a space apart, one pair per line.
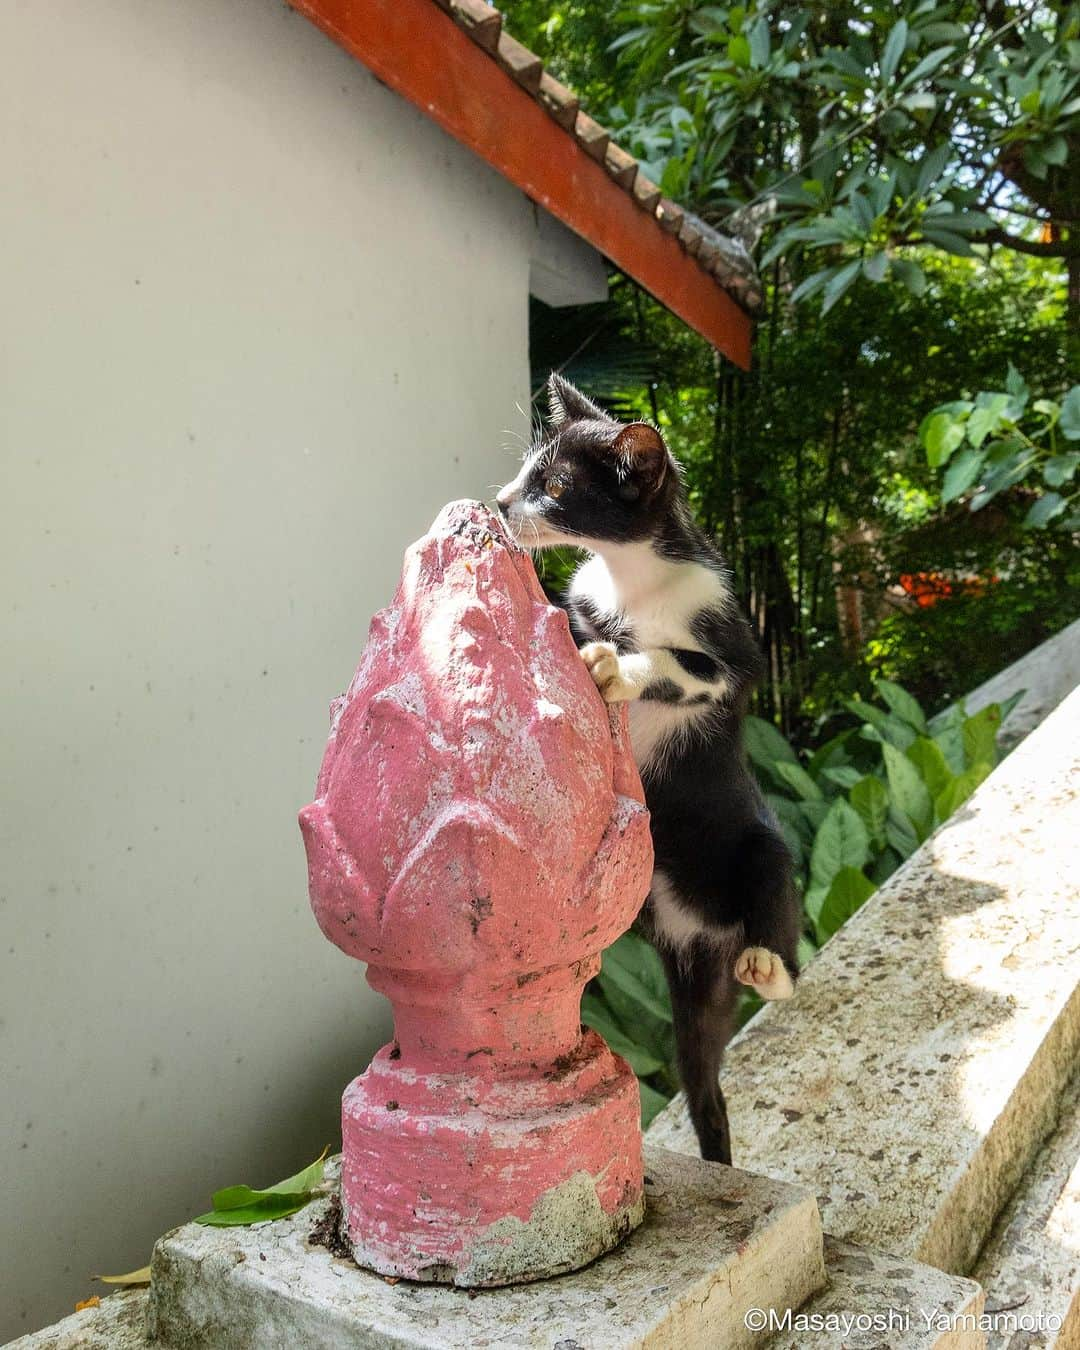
480, 1182
715, 1243
719, 1248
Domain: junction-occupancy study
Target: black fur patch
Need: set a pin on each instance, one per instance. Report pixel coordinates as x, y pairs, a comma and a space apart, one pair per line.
699, 665
589, 623
663, 691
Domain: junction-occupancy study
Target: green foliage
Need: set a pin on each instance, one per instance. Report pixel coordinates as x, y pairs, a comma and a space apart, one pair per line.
878, 135
628, 1005
1009, 440
241, 1205
1028, 588
908, 167
885, 784
807, 466
851, 812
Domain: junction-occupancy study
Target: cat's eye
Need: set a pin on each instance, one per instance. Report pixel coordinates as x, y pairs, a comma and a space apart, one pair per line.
554, 487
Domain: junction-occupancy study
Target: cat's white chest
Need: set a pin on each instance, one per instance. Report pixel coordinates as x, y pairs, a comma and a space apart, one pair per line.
654, 725
655, 597
656, 600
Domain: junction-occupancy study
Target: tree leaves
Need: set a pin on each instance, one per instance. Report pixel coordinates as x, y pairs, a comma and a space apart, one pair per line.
1043, 511
962, 473
919, 100
894, 49
959, 790
980, 736
764, 744
902, 704
796, 777
911, 274
595, 1013
987, 416
928, 758
900, 833
942, 435
1059, 469
840, 279
652, 1103
1069, 421
870, 799
947, 730
841, 841
895, 730
632, 979
131, 1279
908, 791
1005, 446
738, 50
848, 892
628, 1004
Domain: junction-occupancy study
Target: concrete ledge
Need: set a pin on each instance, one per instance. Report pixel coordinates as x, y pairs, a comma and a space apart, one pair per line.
1032, 1261
117, 1323
874, 1300
715, 1242
861, 1286
1047, 675
920, 1064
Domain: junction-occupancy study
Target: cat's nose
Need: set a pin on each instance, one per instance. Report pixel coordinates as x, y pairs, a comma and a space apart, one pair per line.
503, 500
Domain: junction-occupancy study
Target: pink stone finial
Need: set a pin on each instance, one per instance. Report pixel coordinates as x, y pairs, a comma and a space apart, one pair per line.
478, 837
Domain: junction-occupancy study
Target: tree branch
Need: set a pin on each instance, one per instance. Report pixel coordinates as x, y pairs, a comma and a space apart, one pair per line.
1011, 210
1060, 248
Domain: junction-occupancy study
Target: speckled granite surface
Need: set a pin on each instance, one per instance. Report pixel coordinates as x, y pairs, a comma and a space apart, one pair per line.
863, 1289
117, 1323
874, 1301
1032, 1261
715, 1241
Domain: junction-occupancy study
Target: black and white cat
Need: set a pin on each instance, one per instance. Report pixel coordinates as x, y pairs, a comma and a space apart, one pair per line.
653, 612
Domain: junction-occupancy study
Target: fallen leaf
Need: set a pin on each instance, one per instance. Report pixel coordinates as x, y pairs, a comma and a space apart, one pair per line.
236, 1206
272, 1207
141, 1276
92, 1302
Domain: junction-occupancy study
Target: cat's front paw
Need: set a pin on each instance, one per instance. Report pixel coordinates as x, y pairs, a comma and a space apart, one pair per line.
764, 971
602, 661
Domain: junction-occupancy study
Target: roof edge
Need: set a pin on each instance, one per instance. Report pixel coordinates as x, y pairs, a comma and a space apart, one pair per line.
454, 61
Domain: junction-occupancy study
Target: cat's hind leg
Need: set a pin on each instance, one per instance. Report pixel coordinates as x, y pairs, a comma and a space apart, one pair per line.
702, 1001
771, 913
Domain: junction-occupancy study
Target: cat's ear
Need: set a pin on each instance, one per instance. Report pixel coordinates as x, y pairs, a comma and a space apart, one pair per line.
568, 404
642, 453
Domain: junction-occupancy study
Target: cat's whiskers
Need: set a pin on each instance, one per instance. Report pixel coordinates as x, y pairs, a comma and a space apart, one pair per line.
523, 441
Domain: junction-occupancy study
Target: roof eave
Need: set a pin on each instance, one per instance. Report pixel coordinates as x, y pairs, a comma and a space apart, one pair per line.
420, 52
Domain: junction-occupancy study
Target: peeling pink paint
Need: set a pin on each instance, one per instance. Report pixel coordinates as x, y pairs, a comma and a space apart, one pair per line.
478, 837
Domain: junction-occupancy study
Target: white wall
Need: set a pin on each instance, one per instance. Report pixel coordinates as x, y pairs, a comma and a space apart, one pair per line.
259, 321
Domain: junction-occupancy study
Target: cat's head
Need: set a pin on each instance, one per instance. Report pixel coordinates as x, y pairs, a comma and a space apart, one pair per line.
589, 479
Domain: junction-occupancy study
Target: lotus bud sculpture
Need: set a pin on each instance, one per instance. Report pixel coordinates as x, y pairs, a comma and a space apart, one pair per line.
478, 837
